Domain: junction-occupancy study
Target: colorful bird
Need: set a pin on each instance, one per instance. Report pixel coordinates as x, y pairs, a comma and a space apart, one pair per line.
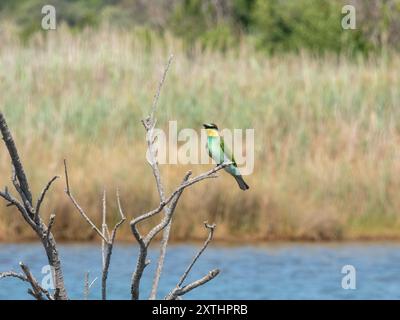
218, 151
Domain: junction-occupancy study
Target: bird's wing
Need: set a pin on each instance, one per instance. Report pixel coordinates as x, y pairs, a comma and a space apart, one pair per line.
228, 153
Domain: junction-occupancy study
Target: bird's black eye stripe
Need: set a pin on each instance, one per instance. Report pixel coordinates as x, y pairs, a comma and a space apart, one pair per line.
210, 126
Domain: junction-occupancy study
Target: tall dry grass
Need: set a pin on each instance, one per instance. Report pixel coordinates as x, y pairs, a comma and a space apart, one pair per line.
327, 133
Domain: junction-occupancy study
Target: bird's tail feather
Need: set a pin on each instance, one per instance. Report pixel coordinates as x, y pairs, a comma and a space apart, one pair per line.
242, 185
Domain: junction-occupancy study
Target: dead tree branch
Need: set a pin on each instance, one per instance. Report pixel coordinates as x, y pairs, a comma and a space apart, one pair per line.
13, 274
43, 194
179, 290
167, 204
209, 238
107, 238
36, 290
78, 207
12, 150
86, 288
87, 285
144, 242
31, 212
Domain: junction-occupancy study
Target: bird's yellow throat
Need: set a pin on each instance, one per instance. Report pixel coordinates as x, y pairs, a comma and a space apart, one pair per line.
212, 132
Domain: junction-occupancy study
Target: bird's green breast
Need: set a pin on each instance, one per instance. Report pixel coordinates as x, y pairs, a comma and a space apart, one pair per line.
218, 154
214, 149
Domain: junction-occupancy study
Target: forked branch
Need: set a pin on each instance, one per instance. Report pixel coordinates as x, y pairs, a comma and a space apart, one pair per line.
36, 289
31, 213
107, 238
179, 290
167, 204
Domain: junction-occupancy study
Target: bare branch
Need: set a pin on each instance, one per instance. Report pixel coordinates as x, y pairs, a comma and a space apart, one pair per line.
160, 85
211, 229
43, 194
12, 150
21, 208
27, 277
37, 291
144, 243
164, 242
149, 124
123, 219
86, 288
87, 285
104, 230
13, 274
25, 201
186, 183
109, 245
181, 291
78, 207
165, 238
166, 204
30, 215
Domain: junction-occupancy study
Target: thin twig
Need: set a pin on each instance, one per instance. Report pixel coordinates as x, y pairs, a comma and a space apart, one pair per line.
43, 194
123, 218
107, 239
78, 207
104, 230
186, 183
13, 201
86, 286
160, 85
179, 290
211, 229
13, 274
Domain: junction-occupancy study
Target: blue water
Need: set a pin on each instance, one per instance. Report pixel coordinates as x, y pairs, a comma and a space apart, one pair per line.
276, 271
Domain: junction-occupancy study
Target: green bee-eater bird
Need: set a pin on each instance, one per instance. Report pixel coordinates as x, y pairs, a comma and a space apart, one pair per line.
218, 151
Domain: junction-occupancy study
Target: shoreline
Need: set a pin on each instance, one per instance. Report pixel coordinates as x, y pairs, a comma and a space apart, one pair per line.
226, 242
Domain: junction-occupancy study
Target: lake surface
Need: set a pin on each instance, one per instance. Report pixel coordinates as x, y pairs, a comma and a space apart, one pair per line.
276, 271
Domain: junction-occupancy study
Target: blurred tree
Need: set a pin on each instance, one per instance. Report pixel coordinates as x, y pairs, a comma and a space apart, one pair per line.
209, 21
284, 25
276, 25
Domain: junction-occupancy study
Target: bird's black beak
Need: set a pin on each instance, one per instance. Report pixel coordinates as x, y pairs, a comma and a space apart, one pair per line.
205, 125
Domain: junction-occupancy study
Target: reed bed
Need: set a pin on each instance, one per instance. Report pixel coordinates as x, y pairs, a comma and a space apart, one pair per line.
327, 133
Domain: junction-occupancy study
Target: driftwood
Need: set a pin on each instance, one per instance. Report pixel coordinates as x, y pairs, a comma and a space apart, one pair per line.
168, 203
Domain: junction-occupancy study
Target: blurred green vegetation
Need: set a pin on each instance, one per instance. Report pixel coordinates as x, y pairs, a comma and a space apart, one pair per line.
327, 130
274, 26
